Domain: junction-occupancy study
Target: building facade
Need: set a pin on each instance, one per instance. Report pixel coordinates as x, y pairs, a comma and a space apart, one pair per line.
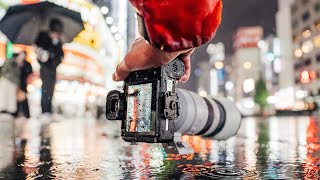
305, 25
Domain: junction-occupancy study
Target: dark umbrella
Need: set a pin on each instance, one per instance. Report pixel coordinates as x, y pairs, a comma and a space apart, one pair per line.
22, 23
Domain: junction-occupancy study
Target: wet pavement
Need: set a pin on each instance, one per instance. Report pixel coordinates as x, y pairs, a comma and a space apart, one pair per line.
271, 148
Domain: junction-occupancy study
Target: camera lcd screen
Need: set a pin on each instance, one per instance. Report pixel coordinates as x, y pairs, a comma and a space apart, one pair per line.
139, 108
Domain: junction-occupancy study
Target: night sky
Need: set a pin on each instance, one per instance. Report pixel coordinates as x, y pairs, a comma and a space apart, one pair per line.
236, 13
245, 13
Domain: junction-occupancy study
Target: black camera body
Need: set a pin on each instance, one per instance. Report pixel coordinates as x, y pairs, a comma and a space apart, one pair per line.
149, 104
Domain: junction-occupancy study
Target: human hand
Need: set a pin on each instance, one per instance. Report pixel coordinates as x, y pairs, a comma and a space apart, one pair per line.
43, 55
143, 55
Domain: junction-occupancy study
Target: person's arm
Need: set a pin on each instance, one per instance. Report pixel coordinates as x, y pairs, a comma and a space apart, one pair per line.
40, 46
143, 55
28, 68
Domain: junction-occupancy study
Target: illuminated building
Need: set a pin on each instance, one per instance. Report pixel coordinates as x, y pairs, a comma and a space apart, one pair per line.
305, 25
246, 65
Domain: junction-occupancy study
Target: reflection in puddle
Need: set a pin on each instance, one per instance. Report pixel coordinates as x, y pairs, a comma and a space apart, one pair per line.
274, 148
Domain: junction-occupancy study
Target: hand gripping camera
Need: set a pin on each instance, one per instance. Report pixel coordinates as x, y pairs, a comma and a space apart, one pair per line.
152, 110
149, 104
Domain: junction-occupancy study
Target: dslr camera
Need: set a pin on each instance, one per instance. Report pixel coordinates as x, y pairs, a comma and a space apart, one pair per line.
152, 110
148, 105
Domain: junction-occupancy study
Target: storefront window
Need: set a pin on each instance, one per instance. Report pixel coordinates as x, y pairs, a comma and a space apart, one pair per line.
307, 62
294, 8
305, 1
317, 7
317, 25
318, 57
306, 16
294, 24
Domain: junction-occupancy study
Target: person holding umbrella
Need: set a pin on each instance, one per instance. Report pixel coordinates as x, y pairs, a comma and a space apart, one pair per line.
49, 55
41, 25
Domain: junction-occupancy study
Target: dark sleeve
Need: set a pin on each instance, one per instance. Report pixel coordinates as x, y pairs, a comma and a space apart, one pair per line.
42, 39
28, 68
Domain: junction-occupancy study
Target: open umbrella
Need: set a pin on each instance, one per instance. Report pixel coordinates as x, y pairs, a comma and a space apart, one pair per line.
22, 23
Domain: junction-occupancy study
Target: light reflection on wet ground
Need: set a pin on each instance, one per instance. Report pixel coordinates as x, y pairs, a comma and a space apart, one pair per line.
272, 148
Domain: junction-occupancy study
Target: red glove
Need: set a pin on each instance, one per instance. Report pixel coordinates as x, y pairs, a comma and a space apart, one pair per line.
174, 25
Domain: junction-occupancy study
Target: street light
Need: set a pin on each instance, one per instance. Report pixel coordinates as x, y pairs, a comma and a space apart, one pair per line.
298, 53
219, 65
117, 36
104, 10
247, 65
109, 20
114, 29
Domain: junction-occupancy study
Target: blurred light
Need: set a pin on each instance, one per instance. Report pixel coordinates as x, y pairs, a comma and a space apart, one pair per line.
210, 48
230, 98
301, 94
276, 47
277, 65
286, 98
219, 65
89, 28
312, 75
114, 29
298, 53
262, 44
121, 43
109, 20
247, 65
272, 100
249, 104
30, 88
103, 51
306, 33
104, 10
248, 85
203, 93
214, 82
33, 56
307, 46
305, 77
117, 36
38, 83
316, 41
318, 26
229, 85
270, 56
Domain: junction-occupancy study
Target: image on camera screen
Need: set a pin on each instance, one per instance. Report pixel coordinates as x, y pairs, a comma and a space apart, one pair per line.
139, 108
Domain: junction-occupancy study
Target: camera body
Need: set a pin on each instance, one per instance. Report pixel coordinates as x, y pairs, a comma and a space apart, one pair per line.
148, 105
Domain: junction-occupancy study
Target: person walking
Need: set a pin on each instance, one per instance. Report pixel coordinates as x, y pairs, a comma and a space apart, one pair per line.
25, 72
49, 55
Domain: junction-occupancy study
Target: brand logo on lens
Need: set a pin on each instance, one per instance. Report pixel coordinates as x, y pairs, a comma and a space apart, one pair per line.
152, 110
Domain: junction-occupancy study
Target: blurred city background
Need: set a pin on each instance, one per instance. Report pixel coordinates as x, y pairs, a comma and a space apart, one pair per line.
265, 57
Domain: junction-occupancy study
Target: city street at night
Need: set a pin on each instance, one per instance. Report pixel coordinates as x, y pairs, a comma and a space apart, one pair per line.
159, 89
269, 148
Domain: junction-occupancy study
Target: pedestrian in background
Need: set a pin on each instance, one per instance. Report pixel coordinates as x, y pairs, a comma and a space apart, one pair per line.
22, 100
49, 54
9, 82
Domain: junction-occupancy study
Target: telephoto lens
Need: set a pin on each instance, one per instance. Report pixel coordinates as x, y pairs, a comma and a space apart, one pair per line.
215, 118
